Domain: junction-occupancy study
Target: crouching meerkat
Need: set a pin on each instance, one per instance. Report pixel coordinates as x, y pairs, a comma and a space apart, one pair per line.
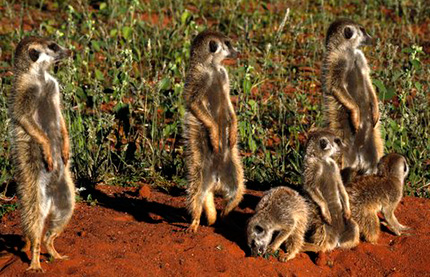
380, 192
323, 184
40, 145
280, 210
350, 101
210, 129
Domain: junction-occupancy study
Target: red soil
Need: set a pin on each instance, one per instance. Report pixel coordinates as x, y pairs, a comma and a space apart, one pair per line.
132, 232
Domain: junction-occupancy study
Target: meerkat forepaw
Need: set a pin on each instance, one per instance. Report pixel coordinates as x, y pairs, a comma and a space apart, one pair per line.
347, 214
65, 155
355, 117
327, 217
283, 257
49, 163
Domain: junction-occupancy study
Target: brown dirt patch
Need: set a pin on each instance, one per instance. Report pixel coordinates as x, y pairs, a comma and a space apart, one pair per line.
130, 235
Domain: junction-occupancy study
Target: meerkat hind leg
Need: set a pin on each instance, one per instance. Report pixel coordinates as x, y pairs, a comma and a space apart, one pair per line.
32, 220
392, 221
369, 226
203, 186
233, 179
351, 236
61, 212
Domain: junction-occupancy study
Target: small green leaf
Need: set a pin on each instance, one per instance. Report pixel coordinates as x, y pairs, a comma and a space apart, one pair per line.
113, 32
99, 75
126, 32
185, 15
164, 84
103, 6
416, 64
96, 45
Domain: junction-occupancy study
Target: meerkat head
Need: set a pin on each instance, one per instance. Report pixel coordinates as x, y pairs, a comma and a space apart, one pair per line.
211, 47
393, 165
259, 236
323, 143
347, 33
39, 53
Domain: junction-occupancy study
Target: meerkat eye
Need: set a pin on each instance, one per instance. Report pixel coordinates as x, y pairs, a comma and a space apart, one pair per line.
362, 30
34, 54
258, 229
54, 47
348, 32
228, 44
323, 144
338, 141
213, 46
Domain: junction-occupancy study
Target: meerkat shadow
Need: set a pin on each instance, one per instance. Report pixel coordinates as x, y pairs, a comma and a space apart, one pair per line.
144, 210
233, 228
11, 244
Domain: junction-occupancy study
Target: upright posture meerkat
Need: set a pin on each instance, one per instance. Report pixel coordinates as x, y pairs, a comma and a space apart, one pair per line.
40, 145
323, 183
280, 210
382, 192
351, 104
211, 129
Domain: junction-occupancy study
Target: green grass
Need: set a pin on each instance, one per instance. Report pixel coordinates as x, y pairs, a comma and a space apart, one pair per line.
123, 90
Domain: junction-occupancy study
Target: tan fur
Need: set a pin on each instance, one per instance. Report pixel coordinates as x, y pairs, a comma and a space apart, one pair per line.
382, 192
350, 101
40, 146
323, 183
280, 210
210, 126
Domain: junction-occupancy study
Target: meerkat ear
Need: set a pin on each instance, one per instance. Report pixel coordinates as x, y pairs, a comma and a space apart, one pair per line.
34, 54
348, 32
213, 46
323, 143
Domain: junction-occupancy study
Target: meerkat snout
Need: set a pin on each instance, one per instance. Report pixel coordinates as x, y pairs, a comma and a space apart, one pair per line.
258, 239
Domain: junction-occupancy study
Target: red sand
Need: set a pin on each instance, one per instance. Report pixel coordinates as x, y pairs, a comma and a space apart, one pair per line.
134, 232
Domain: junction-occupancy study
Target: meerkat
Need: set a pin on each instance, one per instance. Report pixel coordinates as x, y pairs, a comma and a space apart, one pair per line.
40, 145
380, 192
350, 101
280, 210
210, 130
323, 184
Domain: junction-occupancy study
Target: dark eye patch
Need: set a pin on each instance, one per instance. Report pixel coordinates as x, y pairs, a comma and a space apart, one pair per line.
338, 141
323, 143
213, 46
348, 32
34, 54
258, 229
228, 43
54, 47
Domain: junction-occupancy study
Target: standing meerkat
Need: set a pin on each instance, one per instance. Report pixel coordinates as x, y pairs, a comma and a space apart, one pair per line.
40, 145
323, 184
280, 210
210, 125
382, 192
351, 103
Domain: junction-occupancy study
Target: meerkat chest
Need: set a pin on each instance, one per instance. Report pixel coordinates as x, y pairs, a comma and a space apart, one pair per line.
218, 96
48, 106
